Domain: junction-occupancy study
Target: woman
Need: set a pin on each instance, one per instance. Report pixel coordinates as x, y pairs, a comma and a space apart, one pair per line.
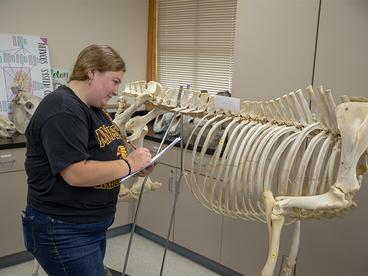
75, 159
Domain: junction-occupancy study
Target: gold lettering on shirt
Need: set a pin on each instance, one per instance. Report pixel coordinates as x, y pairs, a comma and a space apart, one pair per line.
107, 134
121, 152
109, 185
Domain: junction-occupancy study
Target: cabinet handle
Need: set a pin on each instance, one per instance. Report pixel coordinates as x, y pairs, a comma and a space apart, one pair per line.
171, 180
5, 159
7, 162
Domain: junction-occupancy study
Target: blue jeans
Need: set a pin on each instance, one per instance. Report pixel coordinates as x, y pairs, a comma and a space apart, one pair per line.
63, 248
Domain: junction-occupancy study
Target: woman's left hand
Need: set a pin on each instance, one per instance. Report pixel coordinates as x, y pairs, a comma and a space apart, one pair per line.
147, 170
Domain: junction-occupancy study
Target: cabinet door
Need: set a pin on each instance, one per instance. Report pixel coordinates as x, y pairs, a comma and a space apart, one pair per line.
13, 200
244, 245
197, 228
123, 214
156, 206
12, 160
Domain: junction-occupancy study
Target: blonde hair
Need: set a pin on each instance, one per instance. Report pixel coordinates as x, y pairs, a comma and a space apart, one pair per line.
96, 57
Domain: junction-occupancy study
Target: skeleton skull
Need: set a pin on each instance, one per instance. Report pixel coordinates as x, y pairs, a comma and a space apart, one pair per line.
24, 105
7, 128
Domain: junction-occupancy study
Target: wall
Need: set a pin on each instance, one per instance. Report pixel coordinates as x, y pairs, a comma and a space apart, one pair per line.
338, 246
274, 50
342, 60
71, 25
274, 47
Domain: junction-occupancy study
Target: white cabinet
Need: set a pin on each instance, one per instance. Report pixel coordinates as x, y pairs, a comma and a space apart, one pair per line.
196, 227
155, 209
244, 245
12, 199
123, 214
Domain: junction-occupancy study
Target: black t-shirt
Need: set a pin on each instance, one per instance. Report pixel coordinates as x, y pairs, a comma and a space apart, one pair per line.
63, 131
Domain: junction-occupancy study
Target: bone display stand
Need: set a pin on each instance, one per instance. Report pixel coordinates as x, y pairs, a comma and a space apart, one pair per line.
178, 180
176, 193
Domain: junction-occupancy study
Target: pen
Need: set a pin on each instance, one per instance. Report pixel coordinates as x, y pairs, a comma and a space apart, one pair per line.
132, 145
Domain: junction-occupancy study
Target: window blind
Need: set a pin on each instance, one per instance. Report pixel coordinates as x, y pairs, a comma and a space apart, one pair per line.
196, 43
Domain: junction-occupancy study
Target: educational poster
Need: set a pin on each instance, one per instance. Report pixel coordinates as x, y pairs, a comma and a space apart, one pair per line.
24, 66
60, 76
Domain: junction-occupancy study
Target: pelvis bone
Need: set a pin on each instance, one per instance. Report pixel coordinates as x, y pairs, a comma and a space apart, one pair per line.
137, 129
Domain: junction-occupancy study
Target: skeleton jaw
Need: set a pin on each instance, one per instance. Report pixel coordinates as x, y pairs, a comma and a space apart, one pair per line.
6, 133
7, 128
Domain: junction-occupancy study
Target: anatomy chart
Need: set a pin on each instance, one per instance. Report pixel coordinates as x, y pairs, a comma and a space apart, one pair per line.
24, 66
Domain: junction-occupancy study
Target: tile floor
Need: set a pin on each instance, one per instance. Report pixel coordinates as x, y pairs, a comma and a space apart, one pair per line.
145, 259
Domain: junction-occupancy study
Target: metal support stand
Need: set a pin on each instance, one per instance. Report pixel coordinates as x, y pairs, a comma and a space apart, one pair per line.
144, 182
177, 191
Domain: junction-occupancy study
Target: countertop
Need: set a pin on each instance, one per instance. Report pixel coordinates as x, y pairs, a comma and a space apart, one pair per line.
19, 140
16, 141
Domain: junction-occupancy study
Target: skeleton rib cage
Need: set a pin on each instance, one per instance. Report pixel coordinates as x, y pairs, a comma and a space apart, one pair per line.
255, 155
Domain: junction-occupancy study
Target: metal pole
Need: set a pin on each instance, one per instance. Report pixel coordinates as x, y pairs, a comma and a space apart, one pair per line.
133, 226
142, 189
177, 191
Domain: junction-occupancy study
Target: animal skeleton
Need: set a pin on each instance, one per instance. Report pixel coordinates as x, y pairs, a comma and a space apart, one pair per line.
312, 162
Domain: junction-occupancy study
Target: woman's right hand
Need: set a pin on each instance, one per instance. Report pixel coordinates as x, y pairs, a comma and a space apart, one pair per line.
138, 159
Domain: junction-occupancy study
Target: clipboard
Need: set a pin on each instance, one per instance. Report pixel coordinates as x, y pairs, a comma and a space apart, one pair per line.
155, 158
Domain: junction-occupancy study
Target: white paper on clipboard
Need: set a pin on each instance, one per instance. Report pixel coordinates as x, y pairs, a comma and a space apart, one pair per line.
155, 158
